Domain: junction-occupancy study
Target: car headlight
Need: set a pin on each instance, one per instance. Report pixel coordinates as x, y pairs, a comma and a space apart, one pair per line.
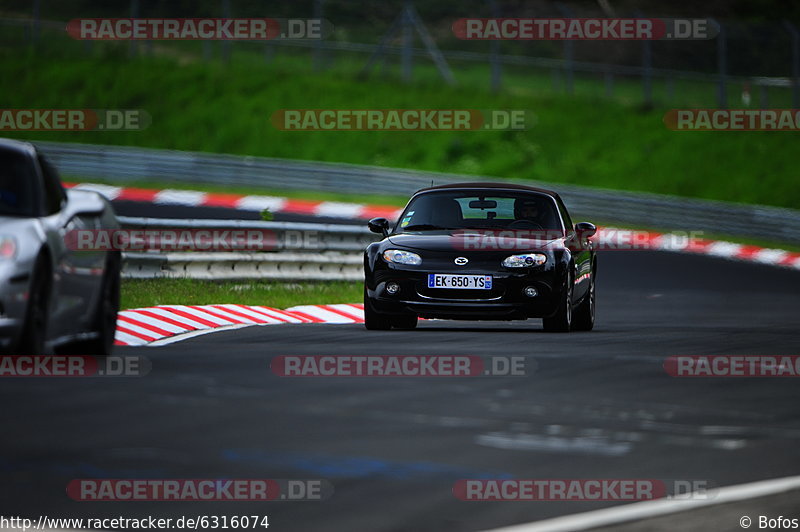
524, 260
8, 247
398, 256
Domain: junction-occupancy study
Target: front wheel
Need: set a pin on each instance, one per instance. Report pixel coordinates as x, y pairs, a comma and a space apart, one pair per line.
583, 319
104, 322
107, 310
372, 320
561, 321
34, 329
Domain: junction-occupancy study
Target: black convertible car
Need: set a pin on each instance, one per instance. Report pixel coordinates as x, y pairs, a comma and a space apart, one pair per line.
481, 251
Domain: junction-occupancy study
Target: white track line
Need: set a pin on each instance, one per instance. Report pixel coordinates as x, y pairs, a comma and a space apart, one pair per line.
193, 334
647, 509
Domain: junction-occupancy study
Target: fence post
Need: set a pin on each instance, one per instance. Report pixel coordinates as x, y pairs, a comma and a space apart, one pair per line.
722, 66
408, 42
37, 20
494, 51
647, 67
133, 45
569, 52
317, 60
226, 44
795, 63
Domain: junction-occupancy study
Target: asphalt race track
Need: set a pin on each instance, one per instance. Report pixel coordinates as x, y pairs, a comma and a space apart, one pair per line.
599, 405
152, 210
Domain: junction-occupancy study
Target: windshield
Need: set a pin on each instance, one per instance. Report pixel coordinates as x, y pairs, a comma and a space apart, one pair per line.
16, 184
481, 210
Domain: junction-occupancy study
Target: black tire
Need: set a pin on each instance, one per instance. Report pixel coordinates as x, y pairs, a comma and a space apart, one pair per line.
561, 321
405, 322
583, 316
34, 330
105, 321
372, 320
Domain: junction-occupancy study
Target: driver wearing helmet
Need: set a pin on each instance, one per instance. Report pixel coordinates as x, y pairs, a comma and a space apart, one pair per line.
527, 209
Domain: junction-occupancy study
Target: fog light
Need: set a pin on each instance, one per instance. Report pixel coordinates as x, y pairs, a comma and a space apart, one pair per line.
392, 288
530, 291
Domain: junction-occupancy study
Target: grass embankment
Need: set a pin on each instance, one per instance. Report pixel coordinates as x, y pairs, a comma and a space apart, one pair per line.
583, 139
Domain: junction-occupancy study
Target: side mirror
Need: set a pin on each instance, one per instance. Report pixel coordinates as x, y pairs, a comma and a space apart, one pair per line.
585, 229
379, 225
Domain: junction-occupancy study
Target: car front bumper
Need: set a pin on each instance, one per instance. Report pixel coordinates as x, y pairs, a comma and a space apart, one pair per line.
506, 300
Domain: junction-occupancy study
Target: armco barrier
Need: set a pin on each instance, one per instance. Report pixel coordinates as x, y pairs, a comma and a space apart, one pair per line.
125, 164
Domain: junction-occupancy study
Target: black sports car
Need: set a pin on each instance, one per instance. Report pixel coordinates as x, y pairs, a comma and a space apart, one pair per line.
481, 251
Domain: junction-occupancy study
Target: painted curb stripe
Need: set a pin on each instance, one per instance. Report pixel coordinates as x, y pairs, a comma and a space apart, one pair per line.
145, 326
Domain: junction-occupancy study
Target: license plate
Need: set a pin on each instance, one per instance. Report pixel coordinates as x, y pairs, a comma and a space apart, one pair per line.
470, 282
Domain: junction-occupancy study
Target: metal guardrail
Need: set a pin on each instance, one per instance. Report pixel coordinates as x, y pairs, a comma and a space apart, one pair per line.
283, 236
126, 164
292, 251
221, 266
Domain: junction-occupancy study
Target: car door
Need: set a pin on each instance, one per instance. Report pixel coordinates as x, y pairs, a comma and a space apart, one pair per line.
76, 273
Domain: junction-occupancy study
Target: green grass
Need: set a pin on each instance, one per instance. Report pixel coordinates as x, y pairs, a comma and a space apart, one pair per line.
581, 139
138, 293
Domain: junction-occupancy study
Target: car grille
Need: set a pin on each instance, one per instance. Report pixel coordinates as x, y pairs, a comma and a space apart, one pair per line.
456, 294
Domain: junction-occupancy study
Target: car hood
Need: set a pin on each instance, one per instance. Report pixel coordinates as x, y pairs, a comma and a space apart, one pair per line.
472, 241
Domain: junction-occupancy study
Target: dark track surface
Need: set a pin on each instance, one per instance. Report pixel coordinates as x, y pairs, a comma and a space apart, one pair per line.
150, 210
599, 406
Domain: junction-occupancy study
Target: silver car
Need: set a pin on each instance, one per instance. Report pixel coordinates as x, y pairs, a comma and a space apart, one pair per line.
51, 295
